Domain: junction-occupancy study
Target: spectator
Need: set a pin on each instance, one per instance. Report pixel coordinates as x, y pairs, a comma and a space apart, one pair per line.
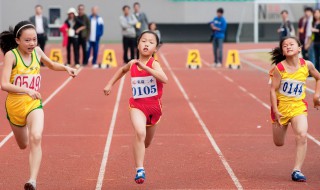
42, 27
127, 23
286, 28
96, 31
304, 26
84, 34
218, 26
74, 27
141, 25
153, 27
316, 41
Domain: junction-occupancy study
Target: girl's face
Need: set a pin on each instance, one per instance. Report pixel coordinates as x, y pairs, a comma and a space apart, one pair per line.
147, 44
153, 27
290, 47
28, 40
317, 14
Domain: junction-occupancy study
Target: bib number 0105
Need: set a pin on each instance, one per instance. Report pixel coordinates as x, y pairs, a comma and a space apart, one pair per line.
144, 87
144, 91
28, 81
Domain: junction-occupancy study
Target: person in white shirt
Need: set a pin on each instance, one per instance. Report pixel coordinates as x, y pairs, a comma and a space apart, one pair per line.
41, 23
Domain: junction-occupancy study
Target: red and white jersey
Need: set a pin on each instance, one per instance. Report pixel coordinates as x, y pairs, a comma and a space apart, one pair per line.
144, 86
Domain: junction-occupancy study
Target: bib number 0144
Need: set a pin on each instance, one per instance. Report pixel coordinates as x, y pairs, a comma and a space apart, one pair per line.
292, 88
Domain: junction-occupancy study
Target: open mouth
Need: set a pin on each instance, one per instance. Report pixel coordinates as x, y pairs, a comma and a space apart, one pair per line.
145, 49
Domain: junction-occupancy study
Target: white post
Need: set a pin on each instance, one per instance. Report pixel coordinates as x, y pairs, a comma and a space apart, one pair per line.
255, 22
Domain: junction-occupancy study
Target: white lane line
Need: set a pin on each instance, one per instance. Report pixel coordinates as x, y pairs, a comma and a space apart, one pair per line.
265, 104
228, 79
242, 89
204, 127
44, 103
109, 138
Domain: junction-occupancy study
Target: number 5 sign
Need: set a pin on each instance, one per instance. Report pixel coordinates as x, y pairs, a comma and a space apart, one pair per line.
233, 60
194, 59
56, 55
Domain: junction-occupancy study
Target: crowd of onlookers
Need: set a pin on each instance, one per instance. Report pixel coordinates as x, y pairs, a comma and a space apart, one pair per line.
308, 33
82, 32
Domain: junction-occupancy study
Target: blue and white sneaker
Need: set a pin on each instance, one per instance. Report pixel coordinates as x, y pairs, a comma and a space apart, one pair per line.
140, 176
298, 176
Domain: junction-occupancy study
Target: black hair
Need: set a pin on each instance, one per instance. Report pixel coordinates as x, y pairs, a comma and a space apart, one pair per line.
284, 11
277, 54
136, 3
149, 32
125, 6
308, 9
8, 38
220, 10
80, 5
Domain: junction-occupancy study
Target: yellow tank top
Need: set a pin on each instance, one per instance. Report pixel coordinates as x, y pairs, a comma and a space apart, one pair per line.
293, 85
26, 75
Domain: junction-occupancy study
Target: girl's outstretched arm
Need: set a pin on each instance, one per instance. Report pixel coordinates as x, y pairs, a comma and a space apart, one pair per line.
119, 74
275, 84
314, 72
155, 71
53, 65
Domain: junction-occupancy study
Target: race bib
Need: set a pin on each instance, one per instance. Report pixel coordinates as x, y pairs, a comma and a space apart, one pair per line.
143, 87
291, 88
28, 81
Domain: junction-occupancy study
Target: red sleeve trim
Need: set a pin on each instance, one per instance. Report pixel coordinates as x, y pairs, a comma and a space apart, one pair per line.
280, 67
302, 62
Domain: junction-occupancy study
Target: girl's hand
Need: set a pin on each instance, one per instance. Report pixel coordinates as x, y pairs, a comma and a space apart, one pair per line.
278, 115
141, 65
316, 102
72, 72
33, 94
107, 89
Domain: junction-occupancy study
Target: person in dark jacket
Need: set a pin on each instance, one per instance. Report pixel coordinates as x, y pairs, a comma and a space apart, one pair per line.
84, 34
75, 26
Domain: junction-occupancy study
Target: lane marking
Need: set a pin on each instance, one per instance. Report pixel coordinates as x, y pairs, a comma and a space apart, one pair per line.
204, 127
264, 104
109, 138
44, 103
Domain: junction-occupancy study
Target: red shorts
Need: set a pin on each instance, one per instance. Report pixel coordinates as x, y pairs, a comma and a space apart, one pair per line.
152, 110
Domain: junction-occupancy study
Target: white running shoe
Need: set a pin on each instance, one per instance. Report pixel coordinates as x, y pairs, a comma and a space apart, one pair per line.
95, 66
77, 66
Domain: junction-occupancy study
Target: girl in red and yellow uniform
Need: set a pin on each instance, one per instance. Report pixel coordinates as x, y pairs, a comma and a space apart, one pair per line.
147, 78
287, 95
21, 79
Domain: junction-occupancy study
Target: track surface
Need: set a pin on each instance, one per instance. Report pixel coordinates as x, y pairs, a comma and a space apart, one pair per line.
201, 107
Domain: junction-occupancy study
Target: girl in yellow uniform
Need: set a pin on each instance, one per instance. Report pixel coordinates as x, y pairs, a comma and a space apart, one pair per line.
21, 79
287, 95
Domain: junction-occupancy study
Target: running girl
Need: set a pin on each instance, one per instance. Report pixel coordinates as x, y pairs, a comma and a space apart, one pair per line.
287, 98
21, 79
147, 78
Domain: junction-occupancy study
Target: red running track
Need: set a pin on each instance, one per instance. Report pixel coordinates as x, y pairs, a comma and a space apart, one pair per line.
229, 103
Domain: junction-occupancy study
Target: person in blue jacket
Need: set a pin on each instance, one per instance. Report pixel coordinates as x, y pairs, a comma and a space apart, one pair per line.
218, 26
96, 31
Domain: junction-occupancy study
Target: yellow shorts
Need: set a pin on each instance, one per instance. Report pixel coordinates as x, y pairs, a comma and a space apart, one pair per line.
290, 110
18, 107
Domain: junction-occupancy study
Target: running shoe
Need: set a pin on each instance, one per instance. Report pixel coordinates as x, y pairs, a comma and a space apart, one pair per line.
140, 176
30, 185
298, 176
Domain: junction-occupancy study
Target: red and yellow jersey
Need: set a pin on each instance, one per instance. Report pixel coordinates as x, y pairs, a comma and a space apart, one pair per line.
24, 75
293, 85
144, 86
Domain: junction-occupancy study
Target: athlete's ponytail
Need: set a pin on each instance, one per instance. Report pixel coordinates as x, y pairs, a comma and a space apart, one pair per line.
277, 54
8, 38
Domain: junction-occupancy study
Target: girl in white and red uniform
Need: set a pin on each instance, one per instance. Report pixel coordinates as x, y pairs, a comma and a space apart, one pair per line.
147, 78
